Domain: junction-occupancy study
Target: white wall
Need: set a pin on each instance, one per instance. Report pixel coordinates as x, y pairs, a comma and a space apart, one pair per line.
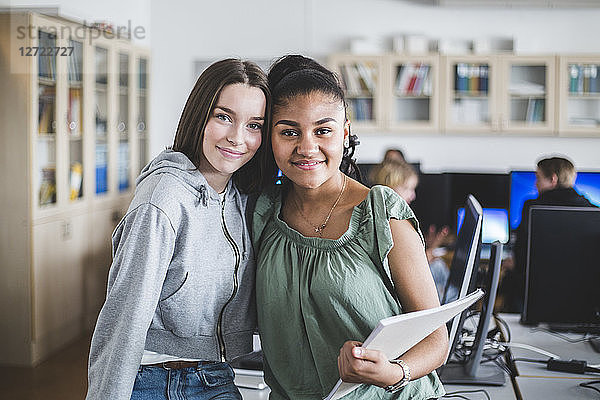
182, 34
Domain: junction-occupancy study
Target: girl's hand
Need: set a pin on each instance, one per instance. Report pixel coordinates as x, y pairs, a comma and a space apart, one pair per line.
359, 365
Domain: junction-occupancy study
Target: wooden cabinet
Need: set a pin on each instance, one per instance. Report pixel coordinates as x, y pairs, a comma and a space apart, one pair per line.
500, 94
74, 135
579, 95
362, 78
470, 87
495, 94
413, 93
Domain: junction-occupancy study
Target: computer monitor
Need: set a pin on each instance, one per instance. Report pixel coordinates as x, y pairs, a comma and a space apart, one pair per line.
563, 267
495, 224
522, 187
471, 371
466, 255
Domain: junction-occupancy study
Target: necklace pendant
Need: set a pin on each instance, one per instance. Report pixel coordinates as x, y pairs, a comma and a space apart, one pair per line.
317, 230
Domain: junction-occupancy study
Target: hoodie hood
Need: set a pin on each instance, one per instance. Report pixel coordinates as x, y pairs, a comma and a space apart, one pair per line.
179, 166
183, 169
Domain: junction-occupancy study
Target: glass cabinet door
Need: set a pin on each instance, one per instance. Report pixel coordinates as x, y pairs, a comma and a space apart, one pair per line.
142, 121
580, 95
528, 104
45, 141
360, 78
123, 123
470, 103
101, 147
75, 119
414, 94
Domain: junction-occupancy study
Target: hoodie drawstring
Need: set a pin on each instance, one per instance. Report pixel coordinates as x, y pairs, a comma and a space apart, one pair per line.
203, 196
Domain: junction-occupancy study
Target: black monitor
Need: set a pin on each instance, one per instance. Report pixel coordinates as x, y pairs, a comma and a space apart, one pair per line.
563, 268
471, 371
466, 255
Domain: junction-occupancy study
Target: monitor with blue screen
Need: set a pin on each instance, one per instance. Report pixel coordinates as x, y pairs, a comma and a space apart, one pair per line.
522, 187
495, 224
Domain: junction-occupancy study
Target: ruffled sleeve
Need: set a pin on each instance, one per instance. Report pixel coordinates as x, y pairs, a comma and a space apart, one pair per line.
381, 205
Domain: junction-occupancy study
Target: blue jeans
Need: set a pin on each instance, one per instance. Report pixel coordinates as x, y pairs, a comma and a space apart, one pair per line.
208, 381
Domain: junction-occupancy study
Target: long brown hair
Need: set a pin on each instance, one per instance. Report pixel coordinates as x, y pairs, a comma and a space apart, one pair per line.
200, 104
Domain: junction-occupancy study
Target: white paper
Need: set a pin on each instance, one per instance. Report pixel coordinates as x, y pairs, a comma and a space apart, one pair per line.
395, 335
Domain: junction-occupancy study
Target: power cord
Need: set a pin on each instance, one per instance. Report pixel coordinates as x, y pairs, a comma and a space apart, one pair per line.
459, 394
584, 338
588, 385
573, 366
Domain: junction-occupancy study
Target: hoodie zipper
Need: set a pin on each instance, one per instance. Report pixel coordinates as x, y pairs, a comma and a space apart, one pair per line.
236, 252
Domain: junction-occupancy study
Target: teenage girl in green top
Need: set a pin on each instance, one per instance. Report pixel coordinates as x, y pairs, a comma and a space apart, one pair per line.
325, 247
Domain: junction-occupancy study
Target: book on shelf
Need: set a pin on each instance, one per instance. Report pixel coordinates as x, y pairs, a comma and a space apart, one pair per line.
422, 74
462, 77
366, 74
46, 109
594, 84
101, 168
47, 193
123, 166
473, 76
583, 79
395, 335
584, 122
75, 180
483, 78
404, 77
573, 78
46, 63
74, 116
362, 109
75, 60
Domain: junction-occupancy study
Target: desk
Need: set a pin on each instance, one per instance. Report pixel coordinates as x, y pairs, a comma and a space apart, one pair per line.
505, 392
534, 381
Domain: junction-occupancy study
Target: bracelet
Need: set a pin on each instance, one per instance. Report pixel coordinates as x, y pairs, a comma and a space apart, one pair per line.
402, 382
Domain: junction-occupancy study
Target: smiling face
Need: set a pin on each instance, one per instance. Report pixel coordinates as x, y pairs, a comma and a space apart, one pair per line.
233, 131
307, 138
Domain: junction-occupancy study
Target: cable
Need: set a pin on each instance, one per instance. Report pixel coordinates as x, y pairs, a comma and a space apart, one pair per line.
562, 336
588, 385
505, 325
595, 345
531, 360
458, 394
532, 348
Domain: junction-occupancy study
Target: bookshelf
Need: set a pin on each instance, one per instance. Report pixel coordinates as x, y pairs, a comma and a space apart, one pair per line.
361, 78
470, 94
492, 94
70, 160
414, 94
528, 100
579, 95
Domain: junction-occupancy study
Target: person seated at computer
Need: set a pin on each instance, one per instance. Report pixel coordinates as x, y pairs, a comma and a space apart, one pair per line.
403, 179
394, 155
554, 180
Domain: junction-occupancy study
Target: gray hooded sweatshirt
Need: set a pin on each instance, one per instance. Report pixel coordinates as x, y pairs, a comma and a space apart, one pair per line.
182, 278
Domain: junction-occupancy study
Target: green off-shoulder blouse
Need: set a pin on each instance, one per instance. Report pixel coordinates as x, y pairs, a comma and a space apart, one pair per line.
314, 294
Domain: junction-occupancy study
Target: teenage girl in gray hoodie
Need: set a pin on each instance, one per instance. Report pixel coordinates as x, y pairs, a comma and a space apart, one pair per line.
180, 298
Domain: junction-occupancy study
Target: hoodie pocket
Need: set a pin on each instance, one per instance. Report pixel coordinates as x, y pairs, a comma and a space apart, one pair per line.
189, 311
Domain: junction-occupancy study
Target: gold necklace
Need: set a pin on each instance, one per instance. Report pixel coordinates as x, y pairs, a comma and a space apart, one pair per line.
319, 229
